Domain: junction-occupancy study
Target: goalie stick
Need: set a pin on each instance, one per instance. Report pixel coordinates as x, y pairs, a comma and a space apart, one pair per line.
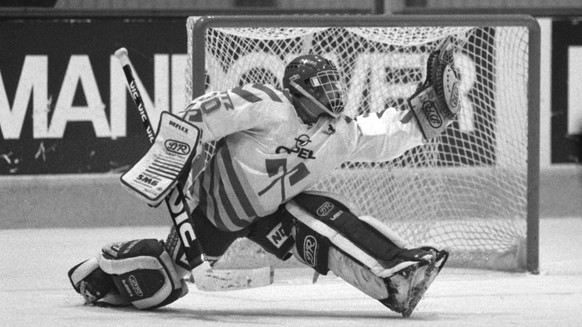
206, 278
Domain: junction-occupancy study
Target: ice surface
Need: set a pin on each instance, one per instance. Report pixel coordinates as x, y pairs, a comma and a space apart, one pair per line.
35, 291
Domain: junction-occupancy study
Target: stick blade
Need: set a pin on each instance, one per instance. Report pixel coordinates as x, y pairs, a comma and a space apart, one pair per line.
217, 280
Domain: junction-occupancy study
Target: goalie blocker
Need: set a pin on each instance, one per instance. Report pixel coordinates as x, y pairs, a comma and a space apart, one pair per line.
362, 251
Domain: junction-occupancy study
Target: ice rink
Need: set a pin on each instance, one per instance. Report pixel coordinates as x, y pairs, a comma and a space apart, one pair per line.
35, 291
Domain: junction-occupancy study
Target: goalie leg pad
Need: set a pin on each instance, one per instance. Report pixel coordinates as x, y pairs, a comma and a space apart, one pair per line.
365, 238
94, 285
139, 272
357, 275
365, 273
143, 272
423, 279
360, 250
311, 247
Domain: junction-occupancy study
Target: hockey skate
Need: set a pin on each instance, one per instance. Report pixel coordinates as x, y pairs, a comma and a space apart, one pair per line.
408, 286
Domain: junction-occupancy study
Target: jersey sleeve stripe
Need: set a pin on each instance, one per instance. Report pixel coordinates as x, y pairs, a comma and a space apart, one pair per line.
268, 91
246, 95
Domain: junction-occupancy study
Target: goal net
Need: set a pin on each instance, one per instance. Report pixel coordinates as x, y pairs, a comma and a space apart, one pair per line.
466, 190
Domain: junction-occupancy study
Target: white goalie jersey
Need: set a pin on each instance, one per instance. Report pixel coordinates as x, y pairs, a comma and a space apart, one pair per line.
266, 155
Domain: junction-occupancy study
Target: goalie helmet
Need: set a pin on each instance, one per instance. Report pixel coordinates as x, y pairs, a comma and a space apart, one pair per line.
317, 79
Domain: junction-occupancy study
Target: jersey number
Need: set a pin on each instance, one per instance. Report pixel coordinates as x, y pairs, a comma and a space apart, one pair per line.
210, 105
295, 175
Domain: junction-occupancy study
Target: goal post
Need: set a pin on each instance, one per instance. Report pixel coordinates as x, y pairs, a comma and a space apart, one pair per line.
473, 190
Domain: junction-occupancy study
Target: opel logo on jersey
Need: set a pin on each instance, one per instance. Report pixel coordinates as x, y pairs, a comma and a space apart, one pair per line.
300, 142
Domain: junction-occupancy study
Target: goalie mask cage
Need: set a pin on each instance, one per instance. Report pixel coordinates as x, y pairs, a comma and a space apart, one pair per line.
474, 190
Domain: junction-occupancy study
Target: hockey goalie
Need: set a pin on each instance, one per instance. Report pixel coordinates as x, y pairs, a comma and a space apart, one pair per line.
272, 146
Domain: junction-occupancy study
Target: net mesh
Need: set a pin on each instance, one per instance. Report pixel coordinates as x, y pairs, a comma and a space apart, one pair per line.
465, 190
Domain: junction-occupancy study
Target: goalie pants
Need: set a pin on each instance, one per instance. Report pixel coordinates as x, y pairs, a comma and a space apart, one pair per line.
272, 233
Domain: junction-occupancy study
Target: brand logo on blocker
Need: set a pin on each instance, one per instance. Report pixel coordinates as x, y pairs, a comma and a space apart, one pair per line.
147, 180
177, 147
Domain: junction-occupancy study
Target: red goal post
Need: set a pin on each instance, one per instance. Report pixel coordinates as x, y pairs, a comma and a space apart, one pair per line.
474, 190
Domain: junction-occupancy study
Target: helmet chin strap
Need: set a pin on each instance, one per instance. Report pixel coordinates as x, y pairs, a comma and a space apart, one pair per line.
314, 100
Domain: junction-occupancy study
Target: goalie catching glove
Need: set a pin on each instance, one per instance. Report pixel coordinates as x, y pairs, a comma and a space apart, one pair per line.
436, 103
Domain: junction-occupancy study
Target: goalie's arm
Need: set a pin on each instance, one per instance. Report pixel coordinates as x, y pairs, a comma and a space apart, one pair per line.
383, 137
388, 134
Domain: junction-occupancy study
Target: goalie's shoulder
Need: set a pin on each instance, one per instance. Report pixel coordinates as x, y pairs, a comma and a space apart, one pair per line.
258, 94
